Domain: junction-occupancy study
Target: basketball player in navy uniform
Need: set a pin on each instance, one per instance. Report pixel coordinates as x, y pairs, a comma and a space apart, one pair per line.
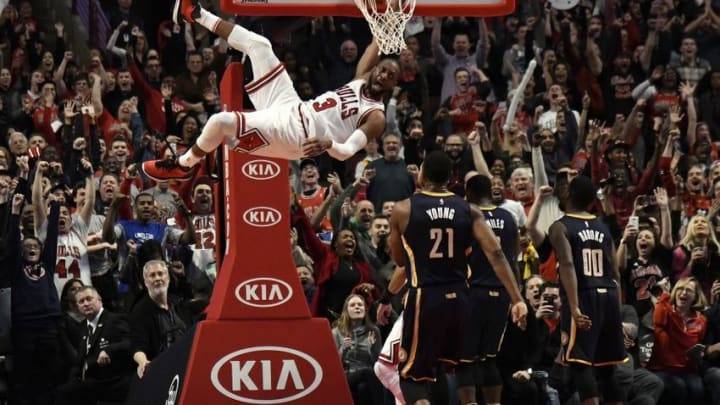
490, 300
591, 318
430, 237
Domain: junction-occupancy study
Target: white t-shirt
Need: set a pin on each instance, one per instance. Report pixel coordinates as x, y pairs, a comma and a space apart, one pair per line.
517, 210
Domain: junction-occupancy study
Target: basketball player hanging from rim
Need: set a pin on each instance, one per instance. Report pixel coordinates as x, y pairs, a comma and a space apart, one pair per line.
340, 122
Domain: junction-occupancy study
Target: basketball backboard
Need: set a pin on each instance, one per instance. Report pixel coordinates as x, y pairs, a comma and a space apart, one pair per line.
467, 8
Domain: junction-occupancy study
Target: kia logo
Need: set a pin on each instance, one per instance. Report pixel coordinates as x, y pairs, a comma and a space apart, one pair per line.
262, 217
263, 292
266, 375
261, 169
173, 390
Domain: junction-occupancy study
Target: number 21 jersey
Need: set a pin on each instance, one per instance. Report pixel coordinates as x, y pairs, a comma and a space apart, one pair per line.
592, 250
437, 239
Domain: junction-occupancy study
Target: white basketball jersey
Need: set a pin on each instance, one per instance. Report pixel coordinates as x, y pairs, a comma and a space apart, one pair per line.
72, 256
339, 112
204, 248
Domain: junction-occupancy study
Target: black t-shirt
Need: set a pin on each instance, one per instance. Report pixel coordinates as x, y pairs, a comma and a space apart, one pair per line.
339, 287
640, 276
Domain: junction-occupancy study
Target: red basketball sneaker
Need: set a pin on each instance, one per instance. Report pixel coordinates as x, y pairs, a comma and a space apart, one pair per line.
168, 169
188, 10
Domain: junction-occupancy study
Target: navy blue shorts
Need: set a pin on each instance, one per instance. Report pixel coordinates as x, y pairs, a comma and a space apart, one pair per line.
603, 344
486, 326
434, 322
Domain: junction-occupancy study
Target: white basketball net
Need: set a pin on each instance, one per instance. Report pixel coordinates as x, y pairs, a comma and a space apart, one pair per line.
388, 26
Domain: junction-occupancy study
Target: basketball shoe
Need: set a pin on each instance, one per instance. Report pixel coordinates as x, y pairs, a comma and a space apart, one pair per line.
188, 10
168, 169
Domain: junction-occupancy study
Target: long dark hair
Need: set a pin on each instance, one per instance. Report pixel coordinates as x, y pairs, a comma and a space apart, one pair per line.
67, 300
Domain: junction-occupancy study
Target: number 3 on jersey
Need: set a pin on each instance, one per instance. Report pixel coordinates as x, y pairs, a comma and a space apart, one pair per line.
592, 263
436, 235
329, 103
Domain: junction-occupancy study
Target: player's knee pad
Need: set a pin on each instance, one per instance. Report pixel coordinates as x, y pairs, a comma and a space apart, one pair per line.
584, 381
611, 388
466, 374
489, 373
220, 127
414, 391
224, 122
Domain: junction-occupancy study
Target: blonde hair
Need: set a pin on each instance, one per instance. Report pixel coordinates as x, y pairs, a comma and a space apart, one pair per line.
343, 323
700, 300
690, 241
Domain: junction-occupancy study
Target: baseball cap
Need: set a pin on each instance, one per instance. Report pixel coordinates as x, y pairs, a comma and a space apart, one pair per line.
616, 143
308, 161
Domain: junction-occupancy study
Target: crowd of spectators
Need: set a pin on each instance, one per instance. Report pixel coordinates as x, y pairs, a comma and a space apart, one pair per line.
107, 269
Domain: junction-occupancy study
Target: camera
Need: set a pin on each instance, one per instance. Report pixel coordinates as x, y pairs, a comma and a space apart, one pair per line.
608, 181
549, 300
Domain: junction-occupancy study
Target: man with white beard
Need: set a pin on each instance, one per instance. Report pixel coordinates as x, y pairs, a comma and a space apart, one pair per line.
155, 323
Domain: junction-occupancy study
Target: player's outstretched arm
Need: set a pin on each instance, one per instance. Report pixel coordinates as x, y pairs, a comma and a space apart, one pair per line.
370, 57
566, 269
368, 60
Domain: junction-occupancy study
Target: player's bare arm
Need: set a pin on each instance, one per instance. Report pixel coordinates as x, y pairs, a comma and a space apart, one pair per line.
566, 269
493, 251
398, 223
372, 128
397, 281
368, 60
384, 309
616, 276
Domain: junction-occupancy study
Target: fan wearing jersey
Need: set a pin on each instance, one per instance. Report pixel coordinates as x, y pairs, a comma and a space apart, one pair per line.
142, 228
72, 252
313, 194
203, 220
591, 315
340, 121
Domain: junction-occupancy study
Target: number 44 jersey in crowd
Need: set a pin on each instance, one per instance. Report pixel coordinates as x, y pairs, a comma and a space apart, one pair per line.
592, 250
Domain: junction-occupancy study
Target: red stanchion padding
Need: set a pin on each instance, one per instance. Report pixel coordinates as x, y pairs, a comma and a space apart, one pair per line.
265, 362
258, 279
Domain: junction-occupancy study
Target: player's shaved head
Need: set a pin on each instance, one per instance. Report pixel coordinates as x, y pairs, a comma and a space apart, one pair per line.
478, 187
582, 192
437, 167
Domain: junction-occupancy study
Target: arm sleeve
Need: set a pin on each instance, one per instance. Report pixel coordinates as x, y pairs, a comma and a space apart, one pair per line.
354, 143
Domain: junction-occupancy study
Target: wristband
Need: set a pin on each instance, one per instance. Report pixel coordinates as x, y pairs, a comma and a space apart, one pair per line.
386, 297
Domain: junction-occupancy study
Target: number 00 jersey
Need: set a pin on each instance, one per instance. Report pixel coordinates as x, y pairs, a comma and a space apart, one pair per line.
592, 249
437, 239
